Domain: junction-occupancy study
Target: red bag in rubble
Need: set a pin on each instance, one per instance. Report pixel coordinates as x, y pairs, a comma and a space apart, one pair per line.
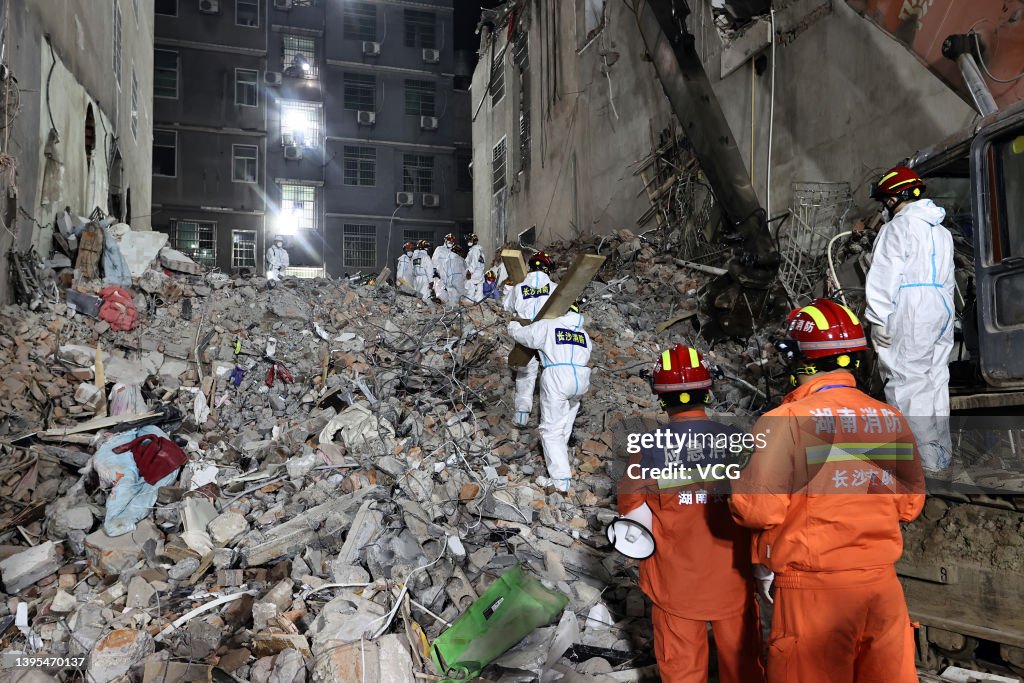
155, 456
118, 308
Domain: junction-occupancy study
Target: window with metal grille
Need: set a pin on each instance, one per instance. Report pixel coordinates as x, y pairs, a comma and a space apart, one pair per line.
243, 248
247, 13
415, 236
165, 73
420, 29
117, 42
463, 172
168, 7
521, 57
299, 57
359, 245
521, 50
197, 240
245, 163
498, 166
524, 139
246, 88
300, 123
419, 98
360, 92
498, 78
135, 106
360, 166
301, 201
360, 21
417, 173
165, 153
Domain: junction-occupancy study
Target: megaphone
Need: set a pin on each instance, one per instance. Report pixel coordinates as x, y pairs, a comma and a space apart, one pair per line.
631, 534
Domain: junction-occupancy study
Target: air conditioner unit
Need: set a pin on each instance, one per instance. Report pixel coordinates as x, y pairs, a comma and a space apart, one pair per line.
209, 6
431, 56
366, 118
272, 77
371, 49
283, 5
428, 122
405, 199
431, 201
293, 152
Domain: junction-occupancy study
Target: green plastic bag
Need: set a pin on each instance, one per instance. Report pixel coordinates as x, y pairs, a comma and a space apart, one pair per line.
514, 605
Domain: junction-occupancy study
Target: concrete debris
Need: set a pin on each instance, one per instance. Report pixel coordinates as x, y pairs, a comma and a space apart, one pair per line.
352, 468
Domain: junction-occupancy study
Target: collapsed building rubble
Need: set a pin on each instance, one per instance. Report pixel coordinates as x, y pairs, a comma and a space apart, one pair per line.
350, 481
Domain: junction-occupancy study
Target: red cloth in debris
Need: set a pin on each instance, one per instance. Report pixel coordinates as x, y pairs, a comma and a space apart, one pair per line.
118, 308
155, 456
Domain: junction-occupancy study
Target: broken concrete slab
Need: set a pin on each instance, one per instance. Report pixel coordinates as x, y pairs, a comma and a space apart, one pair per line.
112, 555
25, 568
226, 527
385, 659
117, 652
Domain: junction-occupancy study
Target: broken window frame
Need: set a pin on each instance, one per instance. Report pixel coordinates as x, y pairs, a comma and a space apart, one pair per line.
497, 82
355, 88
202, 247
117, 30
359, 167
359, 245
420, 29
239, 256
135, 106
313, 113
157, 133
499, 165
588, 26
237, 152
307, 200
156, 8
521, 58
247, 86
420, 98
254, 6
158, 69
293, 45
418, 173
359, 21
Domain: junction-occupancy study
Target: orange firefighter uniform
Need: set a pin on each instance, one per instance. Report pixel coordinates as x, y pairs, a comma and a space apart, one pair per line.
699, 573
826, 494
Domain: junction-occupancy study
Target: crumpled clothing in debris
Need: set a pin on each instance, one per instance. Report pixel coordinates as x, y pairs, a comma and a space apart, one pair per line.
118, 308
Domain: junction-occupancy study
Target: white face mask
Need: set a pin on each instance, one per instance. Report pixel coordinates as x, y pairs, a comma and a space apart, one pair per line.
886, 214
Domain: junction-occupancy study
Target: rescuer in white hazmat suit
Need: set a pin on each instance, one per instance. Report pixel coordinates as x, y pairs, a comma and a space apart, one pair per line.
475, 266
422, 270
525, 299
404, 272
277, 261
909, 293
564, 348
450, 271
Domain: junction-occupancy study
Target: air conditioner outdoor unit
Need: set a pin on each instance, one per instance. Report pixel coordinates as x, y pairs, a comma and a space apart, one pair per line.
366, 118
284, 5
431, 56
431, 201
428, 122
272, 77
209, 6
293, 152
371, 49
405, 199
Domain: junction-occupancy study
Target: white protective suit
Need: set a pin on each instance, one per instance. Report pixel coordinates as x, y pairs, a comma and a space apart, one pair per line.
451, 268
910, 294
475, 265
404, 274
277, 261
564, 352
423, 272
525, 300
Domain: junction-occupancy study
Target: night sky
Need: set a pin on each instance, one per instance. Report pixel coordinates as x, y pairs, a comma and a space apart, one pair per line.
467, 15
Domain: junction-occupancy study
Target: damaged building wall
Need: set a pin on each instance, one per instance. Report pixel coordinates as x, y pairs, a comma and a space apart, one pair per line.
593, 105
868, 104
102, 52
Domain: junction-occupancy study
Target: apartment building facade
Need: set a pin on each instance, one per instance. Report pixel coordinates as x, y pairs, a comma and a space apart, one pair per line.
339, 126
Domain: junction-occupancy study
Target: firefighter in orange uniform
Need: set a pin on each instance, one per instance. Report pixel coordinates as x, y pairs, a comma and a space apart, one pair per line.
700, 570
825, 494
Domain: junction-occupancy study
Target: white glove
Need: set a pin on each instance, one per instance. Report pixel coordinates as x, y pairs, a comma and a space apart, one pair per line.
764, 578
881, 336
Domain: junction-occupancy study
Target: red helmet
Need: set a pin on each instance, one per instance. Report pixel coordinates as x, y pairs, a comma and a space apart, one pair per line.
899, 182
541, 261
682, 369
472, 239
450, 237
824, 329
424, 244
408, 246
490, 276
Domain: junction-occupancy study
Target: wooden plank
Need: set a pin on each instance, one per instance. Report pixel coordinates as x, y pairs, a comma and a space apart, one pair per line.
101, 383
515, 264
672, 321
98, 423
568, 290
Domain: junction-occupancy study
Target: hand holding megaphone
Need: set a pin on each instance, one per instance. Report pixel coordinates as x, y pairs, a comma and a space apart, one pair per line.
632, 533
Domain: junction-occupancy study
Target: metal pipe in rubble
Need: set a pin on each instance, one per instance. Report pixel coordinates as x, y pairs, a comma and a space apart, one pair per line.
980, 94
771, 131
832, 266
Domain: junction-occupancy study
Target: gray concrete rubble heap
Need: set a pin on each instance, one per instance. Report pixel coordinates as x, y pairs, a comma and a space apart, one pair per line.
344, 442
